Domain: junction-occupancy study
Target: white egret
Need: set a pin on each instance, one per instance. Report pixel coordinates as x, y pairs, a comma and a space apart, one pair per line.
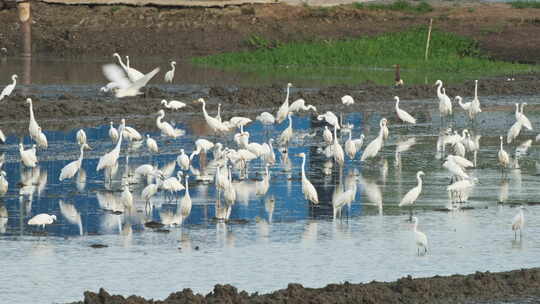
109, 160
286, 136
339, 155
475, 105
202, 145
4, 184
327, 135
151, 144
514, 131
284, 108
170, 74
173, 184
173, 104
518, 222
9, 88
300, 105
213, 123
445, 104
81, 137
166, 128
310, 193
504, 159
71, 214
130, 133
410, 198
126, 88
132, 73
183, 160
465, 106
28, 157
419, 237
403, 115
148, 192
42, 219
523, 119
269, 156
330, 118
113, 133
347, 100
229, 194
73, 167
461, 161
266, 118
41, 139
33, 126
455, 169
459, 191
375, 145
263, 186
185, 202
352, 146
239, 122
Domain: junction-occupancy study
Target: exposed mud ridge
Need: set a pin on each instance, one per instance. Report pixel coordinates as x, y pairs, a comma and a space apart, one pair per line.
481, 286
69, 112
503, 32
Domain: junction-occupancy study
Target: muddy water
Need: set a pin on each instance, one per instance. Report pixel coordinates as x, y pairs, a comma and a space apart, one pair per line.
271, 239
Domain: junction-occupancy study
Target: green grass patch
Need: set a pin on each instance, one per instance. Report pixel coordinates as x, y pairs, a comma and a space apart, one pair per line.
400, 5
449, 54
525, 4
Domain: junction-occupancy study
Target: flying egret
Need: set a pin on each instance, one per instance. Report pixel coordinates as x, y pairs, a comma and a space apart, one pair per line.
28, 157
419, 237
504, 159
347, 100
284, 108
173, 104
9, 88
310, 193
410, 198
73, 167
213, 123
406, 117
375, 145
518, 222
42, 219
126, 88
113, 133
300, 105
183, 160
185, 202
286, 136
170, 74
445, 104
166, 128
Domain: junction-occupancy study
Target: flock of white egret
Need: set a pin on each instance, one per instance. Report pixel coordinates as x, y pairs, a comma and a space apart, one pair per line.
127, 81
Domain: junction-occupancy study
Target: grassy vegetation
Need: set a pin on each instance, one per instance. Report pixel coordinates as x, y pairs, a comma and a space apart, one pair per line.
399, 5
449, 54
525, 4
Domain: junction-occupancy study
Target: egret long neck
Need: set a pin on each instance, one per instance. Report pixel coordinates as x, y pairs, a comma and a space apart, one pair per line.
120, 61
419, 180
82, 154
501, 144
119, 143
397, 104
303, 167
287, 97
476, 89
31, 112
439, 89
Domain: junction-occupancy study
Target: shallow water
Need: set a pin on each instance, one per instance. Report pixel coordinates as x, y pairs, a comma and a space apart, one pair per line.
285, 240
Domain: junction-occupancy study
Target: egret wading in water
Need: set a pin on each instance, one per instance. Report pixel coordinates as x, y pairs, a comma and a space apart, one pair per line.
110, 160
9, 88
308, 189
410, 198
420, 238
518, 222
170, 74
113, 133
173, 104
403, 115
445, 104
42, 219
73, 167
504, 159
166, 128
375, 145
283, 110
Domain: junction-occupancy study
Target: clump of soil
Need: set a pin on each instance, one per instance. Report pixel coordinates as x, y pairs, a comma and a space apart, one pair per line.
481, 286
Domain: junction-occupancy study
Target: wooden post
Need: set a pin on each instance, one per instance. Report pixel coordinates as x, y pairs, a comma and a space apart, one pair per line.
428, 39
25, 17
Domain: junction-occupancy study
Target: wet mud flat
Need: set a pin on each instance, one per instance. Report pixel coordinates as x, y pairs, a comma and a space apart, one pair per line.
68, 111
473, 288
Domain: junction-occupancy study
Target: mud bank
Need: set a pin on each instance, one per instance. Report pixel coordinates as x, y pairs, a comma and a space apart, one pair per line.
96, 30
68, 112
481, 286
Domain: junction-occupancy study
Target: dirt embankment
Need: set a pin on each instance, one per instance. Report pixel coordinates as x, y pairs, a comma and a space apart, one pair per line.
481, 286
68, 112
503, 32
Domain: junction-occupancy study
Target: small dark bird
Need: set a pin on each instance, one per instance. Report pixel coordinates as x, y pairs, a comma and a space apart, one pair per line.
398, 80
